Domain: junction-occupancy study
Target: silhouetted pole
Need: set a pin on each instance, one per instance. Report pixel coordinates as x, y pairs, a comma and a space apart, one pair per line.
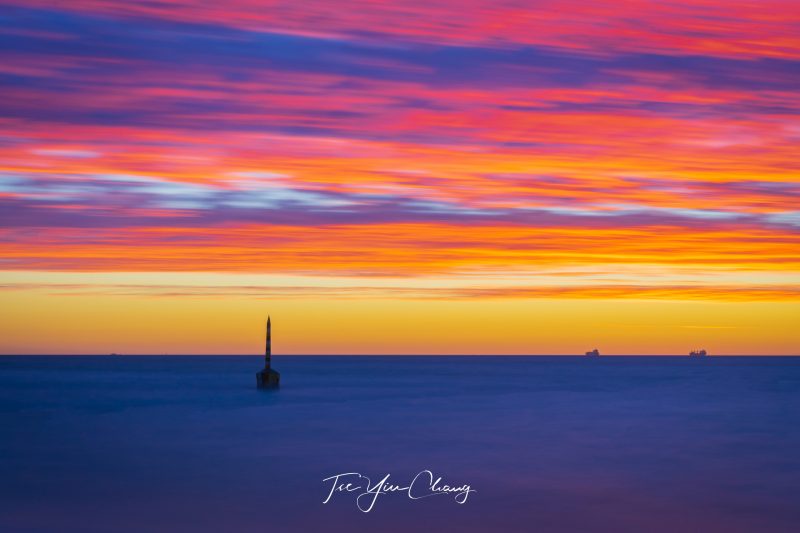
268, 378
268, 349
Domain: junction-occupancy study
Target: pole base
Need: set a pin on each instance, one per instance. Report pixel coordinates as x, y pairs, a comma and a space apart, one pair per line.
268, 379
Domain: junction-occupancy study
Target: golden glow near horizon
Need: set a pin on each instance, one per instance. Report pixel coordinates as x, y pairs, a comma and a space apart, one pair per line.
146, 313
499, 180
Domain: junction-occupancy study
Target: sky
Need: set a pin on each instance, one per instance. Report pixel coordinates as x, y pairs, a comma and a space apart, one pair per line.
405, 177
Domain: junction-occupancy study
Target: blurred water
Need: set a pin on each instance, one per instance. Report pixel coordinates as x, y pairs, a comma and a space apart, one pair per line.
550, 444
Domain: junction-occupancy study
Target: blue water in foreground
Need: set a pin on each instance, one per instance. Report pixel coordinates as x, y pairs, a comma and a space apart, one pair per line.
141, 444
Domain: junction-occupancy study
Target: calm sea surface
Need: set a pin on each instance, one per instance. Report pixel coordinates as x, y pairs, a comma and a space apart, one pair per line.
141, 444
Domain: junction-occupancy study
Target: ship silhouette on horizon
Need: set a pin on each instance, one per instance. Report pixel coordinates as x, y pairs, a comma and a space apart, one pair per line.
593, 353
698, 353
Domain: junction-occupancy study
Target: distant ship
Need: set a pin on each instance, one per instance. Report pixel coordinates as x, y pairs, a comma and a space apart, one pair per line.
698, 353
593, 353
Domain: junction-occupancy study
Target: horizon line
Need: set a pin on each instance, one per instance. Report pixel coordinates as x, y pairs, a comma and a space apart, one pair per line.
384, 355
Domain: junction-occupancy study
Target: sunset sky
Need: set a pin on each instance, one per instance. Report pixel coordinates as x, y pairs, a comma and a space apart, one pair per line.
439, 176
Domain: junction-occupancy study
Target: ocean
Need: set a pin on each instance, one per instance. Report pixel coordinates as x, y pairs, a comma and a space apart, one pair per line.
545, 444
